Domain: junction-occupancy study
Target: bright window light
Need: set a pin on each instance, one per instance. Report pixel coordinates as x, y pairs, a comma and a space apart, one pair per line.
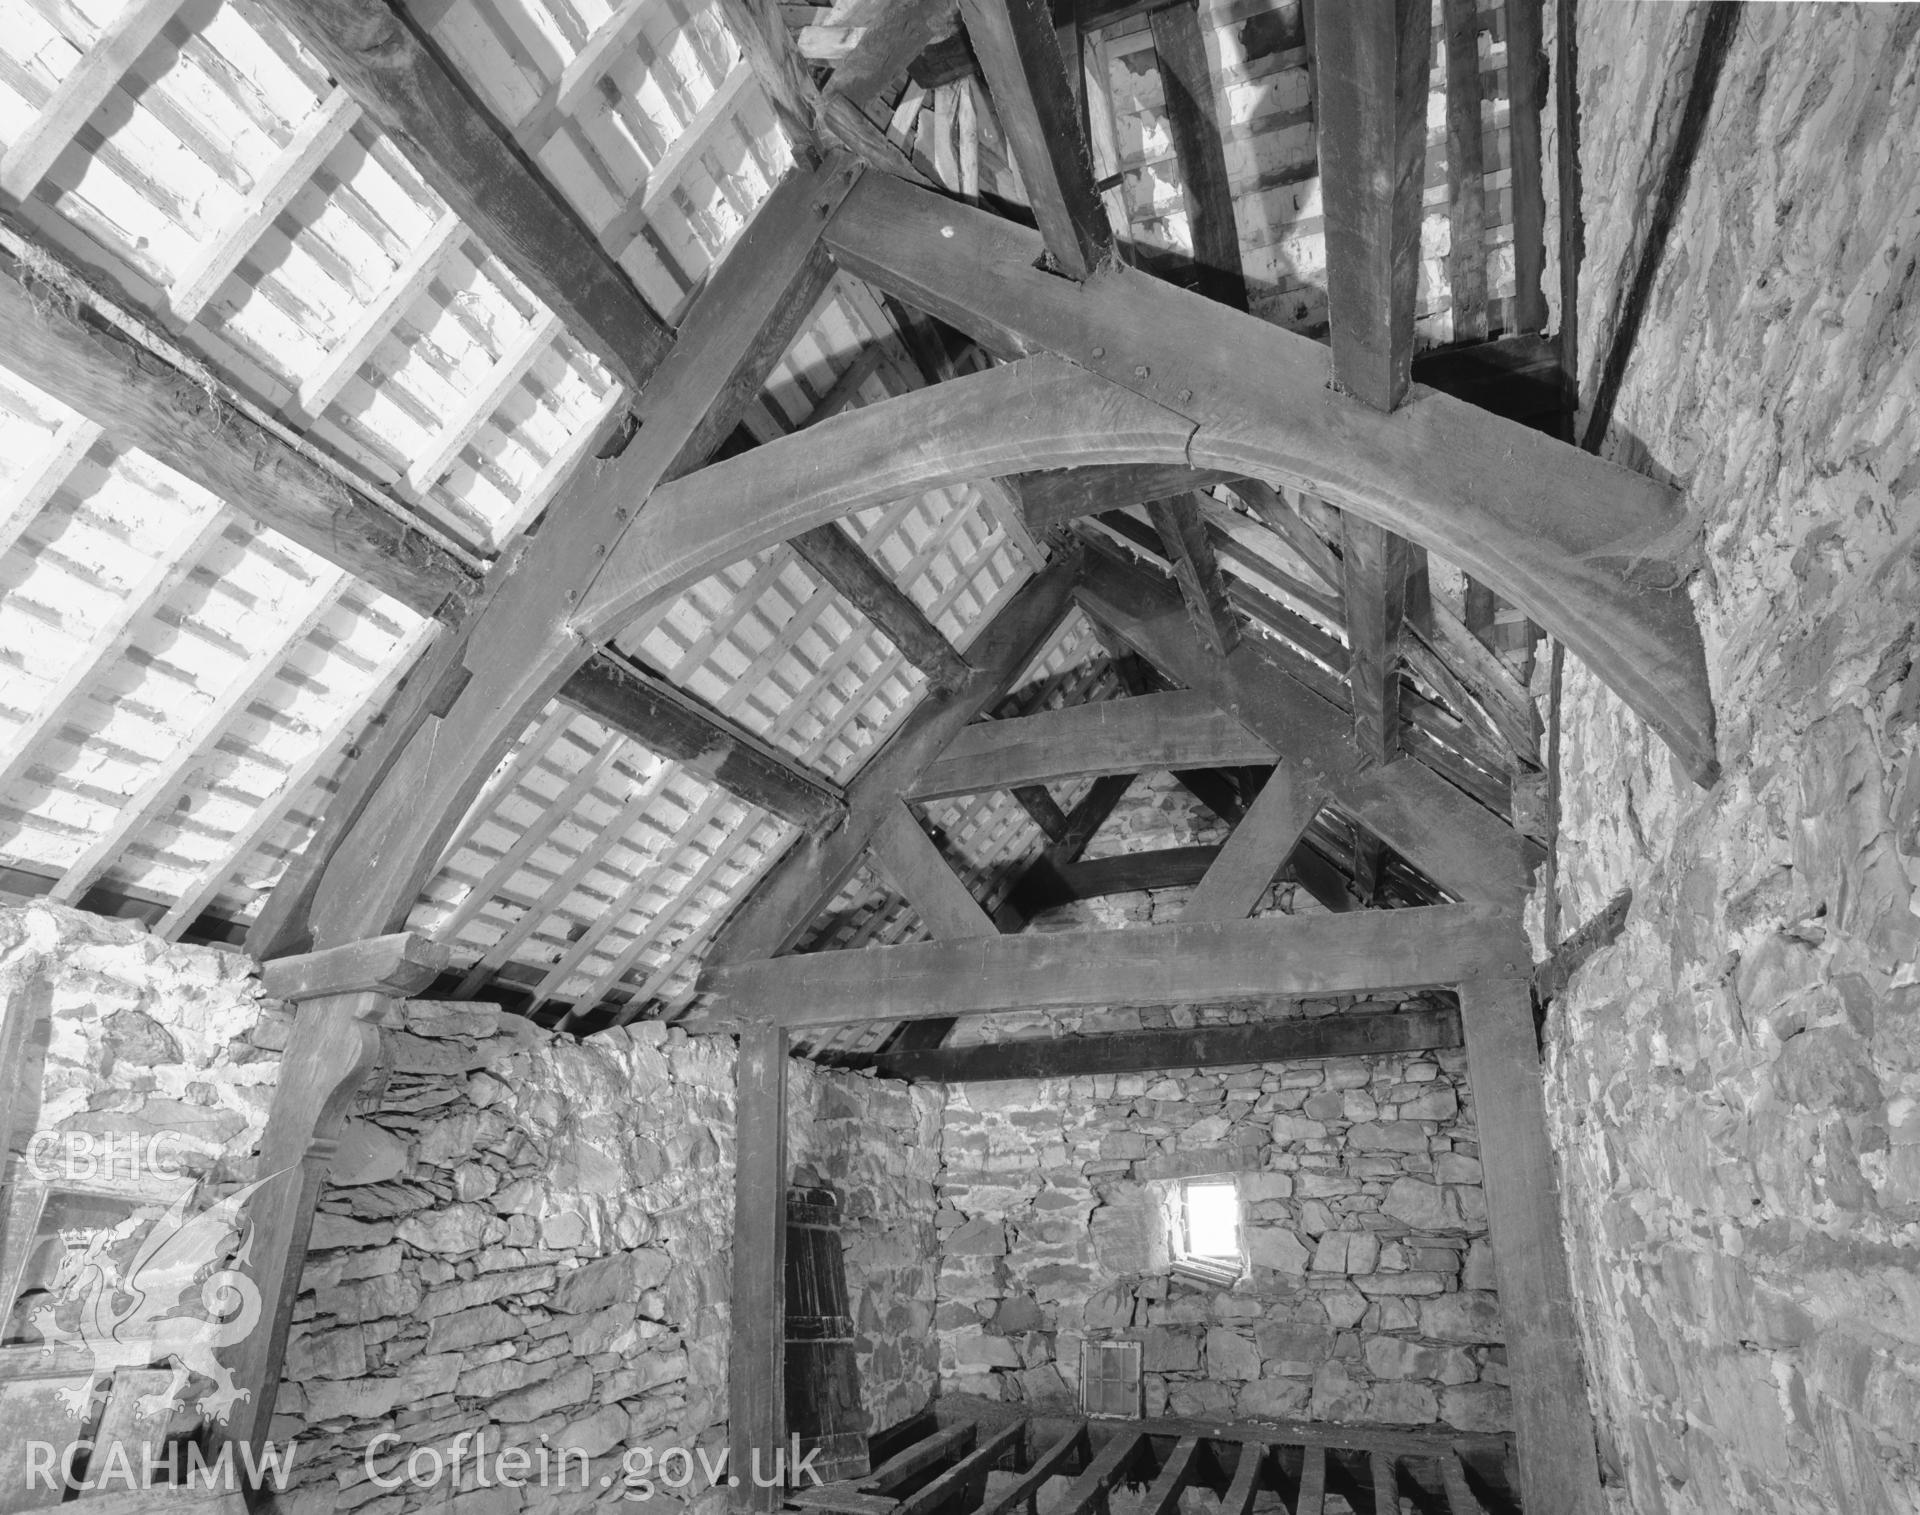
1206, 1228
1213, 1221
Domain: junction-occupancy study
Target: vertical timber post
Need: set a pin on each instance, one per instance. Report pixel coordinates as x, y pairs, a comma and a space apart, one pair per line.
1559, 1468
756, 1363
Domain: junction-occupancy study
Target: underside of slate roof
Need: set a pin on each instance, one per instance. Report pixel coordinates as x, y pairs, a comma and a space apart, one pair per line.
186, 686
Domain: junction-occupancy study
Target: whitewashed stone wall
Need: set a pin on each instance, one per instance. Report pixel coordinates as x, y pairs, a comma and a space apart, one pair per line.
148, 1050
1735, 1086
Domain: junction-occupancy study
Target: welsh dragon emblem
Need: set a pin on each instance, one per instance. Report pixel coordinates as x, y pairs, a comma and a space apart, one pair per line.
140, 1314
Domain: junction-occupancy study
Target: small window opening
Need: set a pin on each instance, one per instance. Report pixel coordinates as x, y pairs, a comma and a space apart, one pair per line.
1206, 1229
1110, 1377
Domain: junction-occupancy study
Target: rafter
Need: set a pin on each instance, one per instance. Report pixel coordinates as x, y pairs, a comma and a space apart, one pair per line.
533, 836
23, 499
1374, 567
383, 833
1575, 542
1182, 527
31, 154
373, 52
541, 908
200, 894
1034, 95
220, 254
306, 609
1193, 119
460, 427
113, 634
628, 898
319, 387
1191, 963
1175, 730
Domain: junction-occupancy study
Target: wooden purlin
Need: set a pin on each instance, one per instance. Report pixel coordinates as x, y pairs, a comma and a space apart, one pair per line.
138, 397
669, 722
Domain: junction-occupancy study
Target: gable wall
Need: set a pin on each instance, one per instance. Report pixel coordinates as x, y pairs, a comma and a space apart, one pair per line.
1370, 1297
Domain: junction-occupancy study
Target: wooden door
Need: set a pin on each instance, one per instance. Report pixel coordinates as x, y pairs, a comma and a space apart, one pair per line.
823, 1381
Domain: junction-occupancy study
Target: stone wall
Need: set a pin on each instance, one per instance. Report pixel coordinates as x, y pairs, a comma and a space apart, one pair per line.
138, 1058
528, 1240
1734, 1085
525, 1238
877, 1145
1369, 1295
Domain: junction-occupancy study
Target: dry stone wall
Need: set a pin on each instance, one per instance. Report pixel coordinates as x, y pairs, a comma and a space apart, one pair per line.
1734, 1085
138, 1058
528, 1239
525, 1240
1370, 1292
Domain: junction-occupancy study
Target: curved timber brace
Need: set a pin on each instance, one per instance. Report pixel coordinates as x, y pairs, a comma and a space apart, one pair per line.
339, 998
